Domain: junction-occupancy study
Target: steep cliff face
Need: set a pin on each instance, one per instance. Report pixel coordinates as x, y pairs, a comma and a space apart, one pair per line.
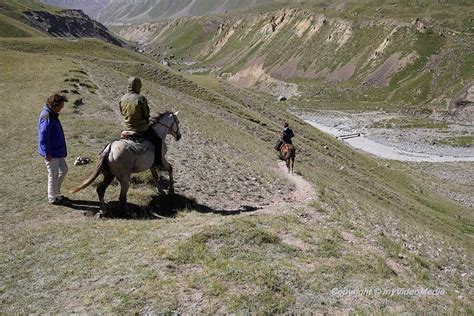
401, 61
69, 23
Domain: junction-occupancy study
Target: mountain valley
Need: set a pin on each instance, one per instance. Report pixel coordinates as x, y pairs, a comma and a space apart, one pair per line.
348, 232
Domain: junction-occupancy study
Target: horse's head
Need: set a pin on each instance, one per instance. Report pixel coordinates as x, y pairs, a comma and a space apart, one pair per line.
167, 121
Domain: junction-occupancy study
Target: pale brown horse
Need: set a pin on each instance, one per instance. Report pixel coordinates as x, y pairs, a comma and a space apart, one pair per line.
287, 153
117, 160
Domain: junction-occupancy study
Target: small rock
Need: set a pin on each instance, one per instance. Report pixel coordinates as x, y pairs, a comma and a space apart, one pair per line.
400, 256
81, 161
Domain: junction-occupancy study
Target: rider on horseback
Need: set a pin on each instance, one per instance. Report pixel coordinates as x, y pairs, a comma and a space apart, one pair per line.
286, 136
136, 114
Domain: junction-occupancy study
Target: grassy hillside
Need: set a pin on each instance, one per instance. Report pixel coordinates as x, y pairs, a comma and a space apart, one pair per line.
10, 18
34, 19
346, 54
372, 224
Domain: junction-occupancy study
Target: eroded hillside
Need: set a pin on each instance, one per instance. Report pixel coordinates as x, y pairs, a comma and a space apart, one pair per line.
368, 62
32, 19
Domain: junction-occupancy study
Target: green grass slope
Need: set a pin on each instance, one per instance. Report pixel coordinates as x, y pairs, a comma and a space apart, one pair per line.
32, 18
10, 18
10, 27
372, 225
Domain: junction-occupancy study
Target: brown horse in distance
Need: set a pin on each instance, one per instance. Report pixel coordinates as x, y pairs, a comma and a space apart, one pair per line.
287, 153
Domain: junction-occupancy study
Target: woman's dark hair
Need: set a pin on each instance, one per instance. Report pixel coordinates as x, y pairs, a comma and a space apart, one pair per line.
285, 125
56, 99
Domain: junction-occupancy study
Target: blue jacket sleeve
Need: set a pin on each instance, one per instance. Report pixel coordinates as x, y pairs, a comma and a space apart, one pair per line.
44, 131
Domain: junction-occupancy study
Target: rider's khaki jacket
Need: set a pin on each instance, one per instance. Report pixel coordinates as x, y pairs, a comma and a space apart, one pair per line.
135, 111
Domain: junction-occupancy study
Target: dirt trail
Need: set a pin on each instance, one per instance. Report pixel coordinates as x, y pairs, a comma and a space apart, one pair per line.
303, 191
227, 187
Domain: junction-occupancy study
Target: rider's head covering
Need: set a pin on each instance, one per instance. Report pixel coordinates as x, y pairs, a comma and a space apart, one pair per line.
286, 124
134, 84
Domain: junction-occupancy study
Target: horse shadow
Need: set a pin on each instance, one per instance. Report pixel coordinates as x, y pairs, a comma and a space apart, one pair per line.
161, 206
168, 205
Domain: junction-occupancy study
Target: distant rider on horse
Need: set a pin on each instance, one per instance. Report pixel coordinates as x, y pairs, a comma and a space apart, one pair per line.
136, 114
286, 136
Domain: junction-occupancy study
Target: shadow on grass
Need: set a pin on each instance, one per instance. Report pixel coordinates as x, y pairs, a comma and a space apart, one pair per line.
168, 205
161, 206
85, 206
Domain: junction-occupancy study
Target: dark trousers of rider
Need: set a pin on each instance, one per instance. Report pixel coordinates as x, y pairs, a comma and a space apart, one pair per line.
281, 142
156, 140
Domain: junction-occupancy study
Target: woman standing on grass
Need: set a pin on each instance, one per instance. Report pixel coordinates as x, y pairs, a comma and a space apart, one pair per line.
52, 146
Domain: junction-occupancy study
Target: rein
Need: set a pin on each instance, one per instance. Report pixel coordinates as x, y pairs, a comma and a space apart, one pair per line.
170, 127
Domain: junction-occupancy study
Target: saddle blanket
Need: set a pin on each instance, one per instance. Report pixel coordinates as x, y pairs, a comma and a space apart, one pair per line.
139, 146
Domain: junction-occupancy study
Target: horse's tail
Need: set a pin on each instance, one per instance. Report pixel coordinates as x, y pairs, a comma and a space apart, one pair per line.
98, 168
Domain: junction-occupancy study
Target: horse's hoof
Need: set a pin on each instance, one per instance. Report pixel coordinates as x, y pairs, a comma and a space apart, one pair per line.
89, 214
102, 214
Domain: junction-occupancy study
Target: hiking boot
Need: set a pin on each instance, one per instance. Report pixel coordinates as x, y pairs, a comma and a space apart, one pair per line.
63, 201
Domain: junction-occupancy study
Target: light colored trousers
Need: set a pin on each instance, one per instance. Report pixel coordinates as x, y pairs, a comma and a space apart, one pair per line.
57, 170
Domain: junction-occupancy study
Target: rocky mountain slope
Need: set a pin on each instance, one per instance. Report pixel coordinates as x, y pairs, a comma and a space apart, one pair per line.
69, 23
32, 18
356, 56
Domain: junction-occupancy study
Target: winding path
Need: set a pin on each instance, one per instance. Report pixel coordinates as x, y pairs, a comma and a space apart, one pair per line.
303, 192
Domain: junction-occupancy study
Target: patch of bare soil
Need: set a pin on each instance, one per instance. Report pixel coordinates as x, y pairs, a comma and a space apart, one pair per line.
393, 64
290, 70
208, 171
221, 186
343, 73
254, 75
218, 181
303, 190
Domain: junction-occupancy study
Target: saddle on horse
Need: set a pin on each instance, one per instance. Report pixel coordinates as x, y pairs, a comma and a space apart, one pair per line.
132, 135
136, 141
139, 143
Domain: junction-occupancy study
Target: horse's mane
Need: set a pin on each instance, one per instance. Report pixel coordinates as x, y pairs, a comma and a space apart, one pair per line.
157, 118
